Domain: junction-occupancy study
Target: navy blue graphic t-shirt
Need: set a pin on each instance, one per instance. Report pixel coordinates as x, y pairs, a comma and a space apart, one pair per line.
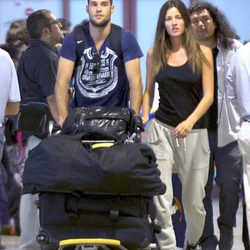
100, 79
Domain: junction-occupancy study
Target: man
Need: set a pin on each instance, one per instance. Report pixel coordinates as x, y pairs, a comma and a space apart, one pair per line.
212, 29
239, 79
102, 78
66, 25
9, 100
37, 76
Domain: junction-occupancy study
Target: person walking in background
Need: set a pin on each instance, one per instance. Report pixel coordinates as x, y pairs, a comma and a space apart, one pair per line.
102, 77
178, 135
66, 25
239, 89
37, 76
17, 39
212, 29
9, 101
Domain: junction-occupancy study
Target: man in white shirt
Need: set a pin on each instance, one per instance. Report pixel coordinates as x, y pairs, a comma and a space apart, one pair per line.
239, 72
9, 96
212, 29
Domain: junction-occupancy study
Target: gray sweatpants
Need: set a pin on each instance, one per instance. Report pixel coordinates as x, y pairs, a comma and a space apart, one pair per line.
29, 214
189, 157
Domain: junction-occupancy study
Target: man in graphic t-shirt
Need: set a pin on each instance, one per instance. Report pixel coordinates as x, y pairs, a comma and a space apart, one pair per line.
102, 78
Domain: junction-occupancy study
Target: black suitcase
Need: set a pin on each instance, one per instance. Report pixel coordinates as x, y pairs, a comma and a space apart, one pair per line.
65, 216
87, 191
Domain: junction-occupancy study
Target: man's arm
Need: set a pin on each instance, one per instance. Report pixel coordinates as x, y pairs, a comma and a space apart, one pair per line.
64, 74
12, 108
51, 100
242, 81
238, 82
133, 71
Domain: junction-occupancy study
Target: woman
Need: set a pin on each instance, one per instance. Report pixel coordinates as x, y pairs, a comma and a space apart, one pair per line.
178, 134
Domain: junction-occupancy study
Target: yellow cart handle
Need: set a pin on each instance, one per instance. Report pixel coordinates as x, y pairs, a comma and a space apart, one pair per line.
96, 241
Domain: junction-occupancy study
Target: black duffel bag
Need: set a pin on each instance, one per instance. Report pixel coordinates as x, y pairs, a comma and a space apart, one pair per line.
64, 163
97, 123
34, 117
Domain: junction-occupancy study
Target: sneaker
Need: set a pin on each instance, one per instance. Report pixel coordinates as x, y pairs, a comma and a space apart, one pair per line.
210, 243
188, 246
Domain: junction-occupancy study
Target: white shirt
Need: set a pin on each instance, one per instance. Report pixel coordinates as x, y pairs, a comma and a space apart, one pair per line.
9, 87
239, 71
228, 116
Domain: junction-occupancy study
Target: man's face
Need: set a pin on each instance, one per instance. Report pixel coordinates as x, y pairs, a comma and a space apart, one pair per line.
56, 35
100, 12
203, 25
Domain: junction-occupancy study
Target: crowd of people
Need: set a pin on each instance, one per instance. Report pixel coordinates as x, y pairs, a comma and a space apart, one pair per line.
199, 131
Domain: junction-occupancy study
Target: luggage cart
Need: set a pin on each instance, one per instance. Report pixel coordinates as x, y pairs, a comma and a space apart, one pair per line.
96, 244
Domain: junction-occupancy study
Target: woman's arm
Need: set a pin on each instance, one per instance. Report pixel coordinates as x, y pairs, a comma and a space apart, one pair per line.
208, 95
148, 96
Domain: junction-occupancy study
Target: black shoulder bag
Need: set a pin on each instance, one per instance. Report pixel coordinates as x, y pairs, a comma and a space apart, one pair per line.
34, 117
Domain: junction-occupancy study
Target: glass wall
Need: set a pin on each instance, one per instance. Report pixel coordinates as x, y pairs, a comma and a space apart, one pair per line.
237, 12
11, 10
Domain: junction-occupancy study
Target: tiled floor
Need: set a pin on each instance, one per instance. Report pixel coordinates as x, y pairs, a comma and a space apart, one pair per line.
12, 242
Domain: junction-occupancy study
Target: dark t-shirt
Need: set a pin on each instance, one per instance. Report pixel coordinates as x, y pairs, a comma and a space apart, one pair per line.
213, 110
109, 86
180, 92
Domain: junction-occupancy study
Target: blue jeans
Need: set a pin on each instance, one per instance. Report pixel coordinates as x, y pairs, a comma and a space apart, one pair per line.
228, 163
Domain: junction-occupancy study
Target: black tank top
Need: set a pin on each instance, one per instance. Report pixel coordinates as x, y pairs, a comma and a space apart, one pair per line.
180, 92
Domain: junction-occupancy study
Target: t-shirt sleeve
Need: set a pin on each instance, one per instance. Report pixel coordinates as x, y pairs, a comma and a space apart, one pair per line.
14, 94
68, 49
130, 47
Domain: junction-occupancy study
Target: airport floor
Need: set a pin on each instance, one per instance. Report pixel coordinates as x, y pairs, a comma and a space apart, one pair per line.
12, 242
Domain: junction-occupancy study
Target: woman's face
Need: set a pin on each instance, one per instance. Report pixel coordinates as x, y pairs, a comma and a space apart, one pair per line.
174, 22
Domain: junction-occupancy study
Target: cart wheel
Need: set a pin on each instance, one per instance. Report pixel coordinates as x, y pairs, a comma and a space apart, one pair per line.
42, 238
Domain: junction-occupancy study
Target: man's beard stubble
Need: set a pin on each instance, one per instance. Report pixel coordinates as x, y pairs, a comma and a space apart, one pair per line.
99, 25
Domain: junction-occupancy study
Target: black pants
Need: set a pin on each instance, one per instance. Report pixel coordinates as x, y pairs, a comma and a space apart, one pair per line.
228, 162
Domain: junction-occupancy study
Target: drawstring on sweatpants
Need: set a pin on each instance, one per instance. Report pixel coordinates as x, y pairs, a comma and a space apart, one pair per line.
177, 142
184, 143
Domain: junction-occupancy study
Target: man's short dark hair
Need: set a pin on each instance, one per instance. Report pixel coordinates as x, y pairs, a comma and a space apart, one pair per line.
37, 21
111, 1
66, 24
18, 31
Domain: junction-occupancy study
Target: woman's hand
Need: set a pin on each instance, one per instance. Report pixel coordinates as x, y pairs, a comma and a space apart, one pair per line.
183, 129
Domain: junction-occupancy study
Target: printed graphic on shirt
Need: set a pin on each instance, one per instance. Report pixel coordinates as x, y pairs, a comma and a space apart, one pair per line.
97, 75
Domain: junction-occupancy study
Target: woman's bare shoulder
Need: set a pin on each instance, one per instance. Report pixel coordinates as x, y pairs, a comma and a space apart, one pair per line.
205, 50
